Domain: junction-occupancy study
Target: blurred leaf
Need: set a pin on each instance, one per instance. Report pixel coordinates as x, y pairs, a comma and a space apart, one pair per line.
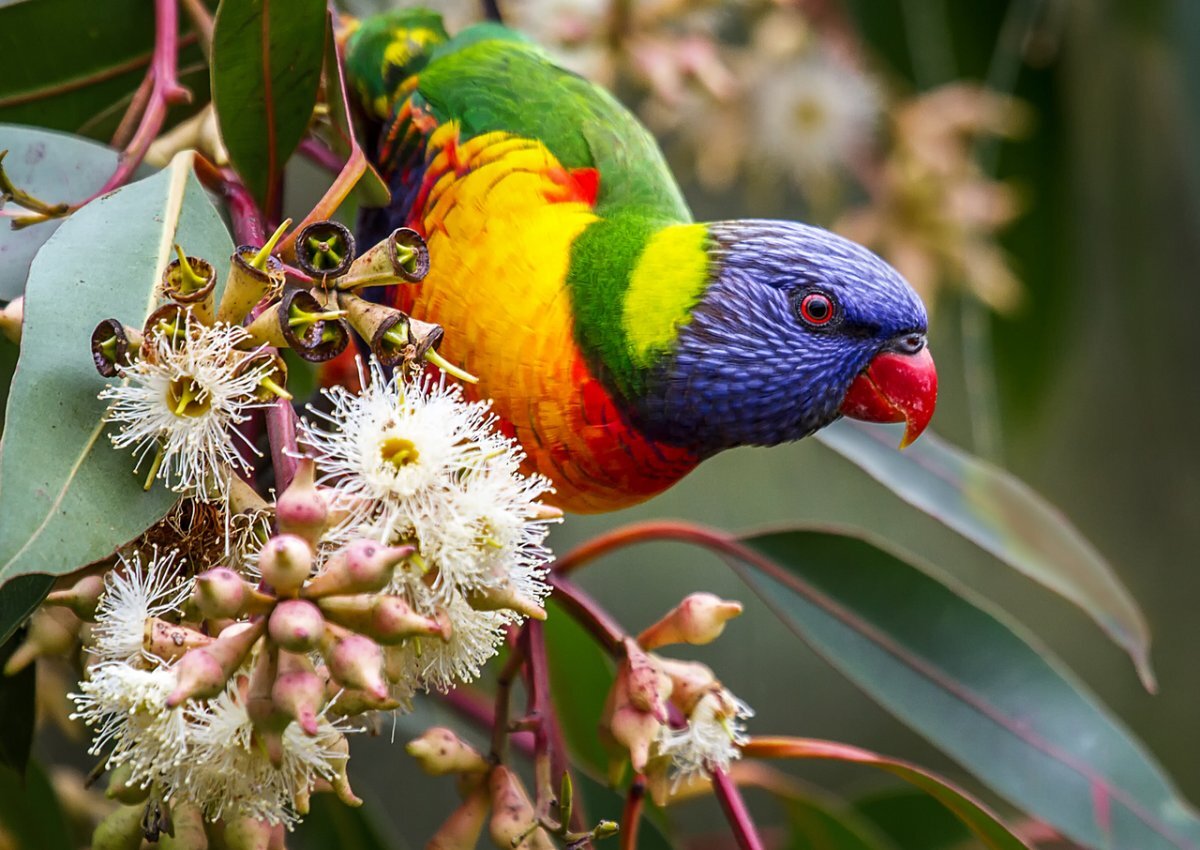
67, 497
580, 676
913, 820
53, 167
72, 65
343, 140
266, 69
19, 598
603, 803
331, 823
30, 812
16, 710
972, 684
1003, 516
817, 825
979, 820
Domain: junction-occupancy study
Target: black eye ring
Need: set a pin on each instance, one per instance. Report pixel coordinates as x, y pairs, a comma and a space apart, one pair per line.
817, 309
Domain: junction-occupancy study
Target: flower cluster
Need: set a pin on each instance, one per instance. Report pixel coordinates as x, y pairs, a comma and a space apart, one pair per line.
410, 463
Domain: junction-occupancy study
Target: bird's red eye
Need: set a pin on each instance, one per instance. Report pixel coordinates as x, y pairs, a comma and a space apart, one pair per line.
816, 308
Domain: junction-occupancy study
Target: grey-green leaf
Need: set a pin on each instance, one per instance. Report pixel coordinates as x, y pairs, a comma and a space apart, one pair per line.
972, 684
67, 498
56, 168
1003, 516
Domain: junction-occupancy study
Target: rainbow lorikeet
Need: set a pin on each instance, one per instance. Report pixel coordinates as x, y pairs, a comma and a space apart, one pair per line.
621, 342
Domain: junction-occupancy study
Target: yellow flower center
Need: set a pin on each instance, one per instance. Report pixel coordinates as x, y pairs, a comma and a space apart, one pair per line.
399, 451
187, 398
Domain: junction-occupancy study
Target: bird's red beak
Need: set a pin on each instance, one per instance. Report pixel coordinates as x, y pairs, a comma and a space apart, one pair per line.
895, 388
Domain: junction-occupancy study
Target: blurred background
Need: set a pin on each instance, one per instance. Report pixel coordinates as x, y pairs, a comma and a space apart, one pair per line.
1033, 166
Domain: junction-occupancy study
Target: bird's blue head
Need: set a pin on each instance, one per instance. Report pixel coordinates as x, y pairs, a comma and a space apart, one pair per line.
796, 327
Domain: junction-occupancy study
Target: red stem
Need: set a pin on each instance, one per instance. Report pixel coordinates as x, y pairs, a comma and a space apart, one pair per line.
744, 830
281, 434
477, 709
317, 152
165, 90
631, 816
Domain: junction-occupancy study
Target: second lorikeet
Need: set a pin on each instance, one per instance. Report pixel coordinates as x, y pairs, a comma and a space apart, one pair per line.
621, 342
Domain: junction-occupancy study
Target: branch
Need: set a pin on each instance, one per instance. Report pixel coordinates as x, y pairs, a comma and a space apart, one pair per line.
744, 830
631, 816
281, 435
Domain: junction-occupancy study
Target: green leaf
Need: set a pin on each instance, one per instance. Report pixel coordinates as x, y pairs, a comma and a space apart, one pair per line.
985, 826
30, 812
331, 823
16, 710
580, 676
820, 825
912, 820
1003, 516
972, 684
603, 803
55, 168
266, 69
73, 65
67, 498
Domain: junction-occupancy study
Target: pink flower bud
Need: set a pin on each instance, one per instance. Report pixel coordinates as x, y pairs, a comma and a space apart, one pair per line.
81, 598
298, 691
635, 730
439, 752
52, 631
698, 619
505, 597
690, 680
385, 619
202, 672
512, 813
647, 686
296, 625
340, 781
170, 641
350, 702
461, 830
354, 661
302, 509
220, 594
362, 566
285, 562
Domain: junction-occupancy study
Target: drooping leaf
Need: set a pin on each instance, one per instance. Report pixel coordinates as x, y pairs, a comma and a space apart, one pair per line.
912, 820
67, 497
55, 168
16, 710
580, 676
1003, 516
30, 812
982, 823
266, 69
972, 684
817, 825
331, 823
73, 65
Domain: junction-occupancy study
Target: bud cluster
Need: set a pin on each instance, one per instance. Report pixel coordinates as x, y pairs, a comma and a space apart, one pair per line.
673, 720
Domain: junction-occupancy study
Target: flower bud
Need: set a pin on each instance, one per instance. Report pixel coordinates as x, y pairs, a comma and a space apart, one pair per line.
302, 509
635, 730
401, 258
324, 249
354, 661
80, 598
285, 562
11, 318
461, 830
504, 596
113, 346
439, 752
246, 833
220, 593
121, 789
350, 702
698, 619
202, 672
362, 566
385, 619
120, 830
340, 781
52, 631
646, 684
690, 680
170, 641
298, 691
253, 272
296, 625
512, 813
188, 823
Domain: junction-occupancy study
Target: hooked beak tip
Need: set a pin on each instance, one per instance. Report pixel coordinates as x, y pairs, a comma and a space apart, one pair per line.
895, 387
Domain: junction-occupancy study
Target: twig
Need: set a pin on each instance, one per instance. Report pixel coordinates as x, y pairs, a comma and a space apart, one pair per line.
740, 821
631, 816
500, 724
316, 151
477, 709
281, 435
202, 21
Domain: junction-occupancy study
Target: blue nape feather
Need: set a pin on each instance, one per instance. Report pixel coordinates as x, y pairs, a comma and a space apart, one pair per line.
746, 369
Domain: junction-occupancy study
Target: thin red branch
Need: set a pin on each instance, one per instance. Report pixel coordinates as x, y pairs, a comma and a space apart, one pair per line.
740, 821
631, 816
316, 151
281, 435
477, 710
248, 226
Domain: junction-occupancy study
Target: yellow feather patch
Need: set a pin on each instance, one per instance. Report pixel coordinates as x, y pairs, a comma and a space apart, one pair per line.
654, 312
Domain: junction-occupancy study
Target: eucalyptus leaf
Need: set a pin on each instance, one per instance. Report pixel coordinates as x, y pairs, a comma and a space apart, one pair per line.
973, 684
55, 168
30, 813
67, 497
580, 676
1003, 516
266, 70
17, 695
